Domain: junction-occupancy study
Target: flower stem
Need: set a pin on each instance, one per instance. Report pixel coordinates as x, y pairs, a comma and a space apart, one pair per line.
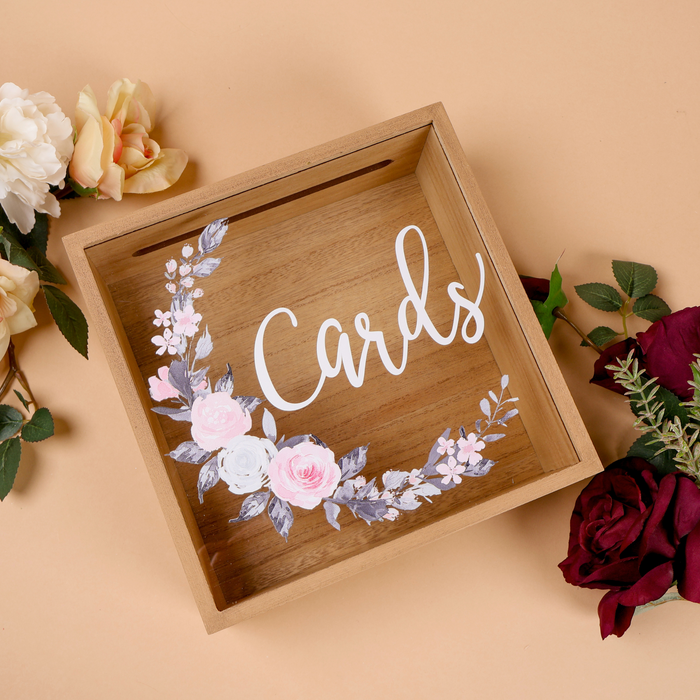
560, 314
16, 373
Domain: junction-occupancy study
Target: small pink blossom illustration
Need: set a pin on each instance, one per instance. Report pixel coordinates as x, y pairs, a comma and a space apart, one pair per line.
187, 282
196, 293
160, 388
391, 514
162, 318
171, 266
415, 477
172, 288
168, 341
186, 321
446, 446
185, 269
451, 471
469, 449
187, 251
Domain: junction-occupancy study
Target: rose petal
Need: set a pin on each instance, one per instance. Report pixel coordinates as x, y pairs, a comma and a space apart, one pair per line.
85, 167
86, 109
161, 174
689, 579
18, 212
22, 320
614, 618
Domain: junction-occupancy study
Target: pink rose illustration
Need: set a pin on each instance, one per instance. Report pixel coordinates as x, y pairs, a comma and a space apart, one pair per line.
216, 419
161, 388
304, 474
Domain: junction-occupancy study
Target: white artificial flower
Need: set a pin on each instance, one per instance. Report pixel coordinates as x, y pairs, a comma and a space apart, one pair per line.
36, 143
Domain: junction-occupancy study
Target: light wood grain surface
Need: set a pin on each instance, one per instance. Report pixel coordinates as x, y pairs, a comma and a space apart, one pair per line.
580, 123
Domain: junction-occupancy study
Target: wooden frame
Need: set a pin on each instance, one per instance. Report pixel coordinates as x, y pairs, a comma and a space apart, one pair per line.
406, 169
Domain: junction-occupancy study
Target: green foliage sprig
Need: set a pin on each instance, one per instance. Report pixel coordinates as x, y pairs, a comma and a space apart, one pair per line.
637, 281
670, 429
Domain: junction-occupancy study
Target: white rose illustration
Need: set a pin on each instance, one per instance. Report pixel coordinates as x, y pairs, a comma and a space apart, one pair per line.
243, 463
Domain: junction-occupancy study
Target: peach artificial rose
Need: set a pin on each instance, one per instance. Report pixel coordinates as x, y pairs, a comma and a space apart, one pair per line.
113, 152
18, 287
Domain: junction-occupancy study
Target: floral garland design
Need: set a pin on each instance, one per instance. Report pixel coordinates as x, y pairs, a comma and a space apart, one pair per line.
300, 471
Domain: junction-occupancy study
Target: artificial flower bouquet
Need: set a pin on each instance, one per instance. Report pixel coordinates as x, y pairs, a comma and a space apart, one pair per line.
44, 158
635, 529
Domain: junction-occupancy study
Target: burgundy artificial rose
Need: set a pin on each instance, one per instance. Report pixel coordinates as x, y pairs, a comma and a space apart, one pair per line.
536, 288
634, 532
669, 346
605, 377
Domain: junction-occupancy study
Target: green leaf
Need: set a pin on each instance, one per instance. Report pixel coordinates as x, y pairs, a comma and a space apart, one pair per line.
47, 272
38, 236
672, 404
69, 318
635, 279
600, 296
646, 447
39, 427
650, 308
22, 399
10, 421
15, 253
82, 191
600, 336
10, 453
555, 299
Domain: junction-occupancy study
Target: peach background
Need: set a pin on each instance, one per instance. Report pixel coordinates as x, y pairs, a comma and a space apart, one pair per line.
581, 122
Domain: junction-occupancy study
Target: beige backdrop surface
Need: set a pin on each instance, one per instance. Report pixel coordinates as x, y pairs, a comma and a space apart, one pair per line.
581, 122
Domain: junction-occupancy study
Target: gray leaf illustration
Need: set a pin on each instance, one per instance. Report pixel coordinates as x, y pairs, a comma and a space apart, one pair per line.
353, 462
210, 239
206, 267
281, 515
394, 479
485, 407
426, 489
269, 426
369, 511
297, 439
189, 452
365, 490
197, 378
511, 414
225, 384
179, 377
344, 493
208, 477
493, 437
204, 345
504, 381
332, 510
248, 402
252, 506
183, 413
481, 468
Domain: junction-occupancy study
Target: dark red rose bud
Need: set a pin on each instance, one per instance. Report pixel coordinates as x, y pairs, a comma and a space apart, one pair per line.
604, 377
536, 288
633, 532
669, 346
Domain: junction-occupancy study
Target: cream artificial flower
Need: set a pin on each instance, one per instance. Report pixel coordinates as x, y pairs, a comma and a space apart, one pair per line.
113, 152
36, 143
18, 287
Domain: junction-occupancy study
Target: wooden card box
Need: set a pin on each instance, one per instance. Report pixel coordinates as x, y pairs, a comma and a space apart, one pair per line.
315, 233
